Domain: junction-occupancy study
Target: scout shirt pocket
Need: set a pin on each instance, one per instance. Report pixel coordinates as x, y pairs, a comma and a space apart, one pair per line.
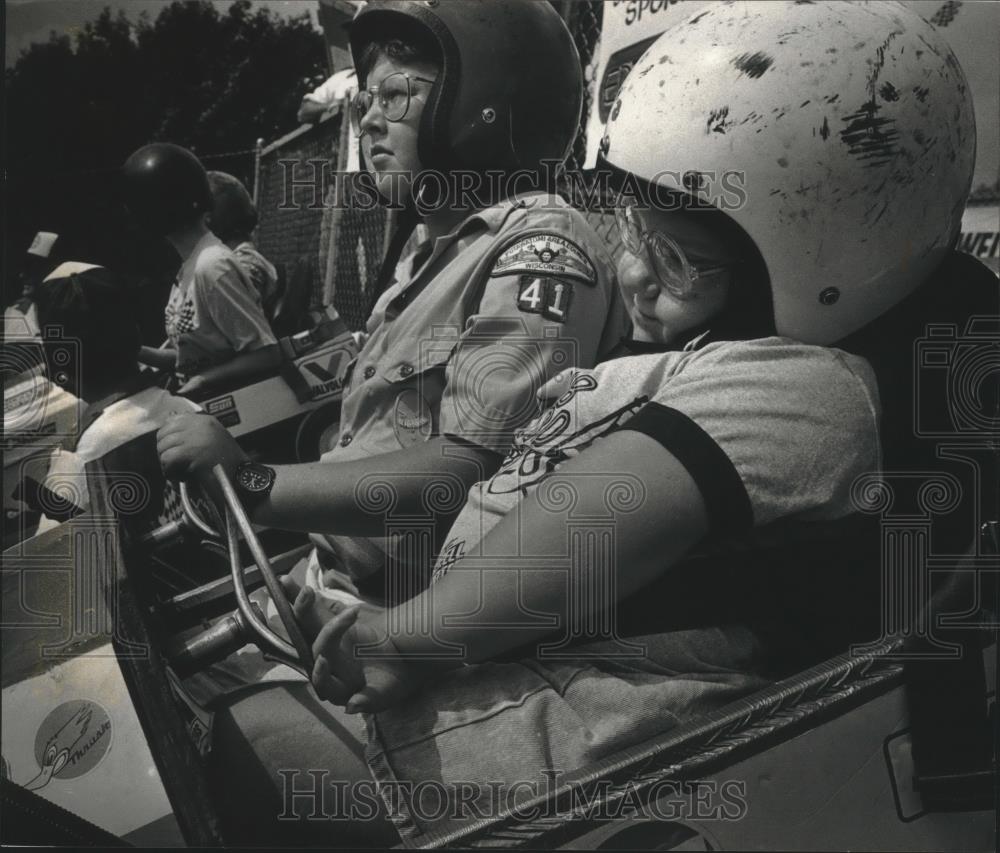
417, 381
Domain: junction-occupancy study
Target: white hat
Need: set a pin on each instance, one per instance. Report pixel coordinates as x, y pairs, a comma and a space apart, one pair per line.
65, 270
41, 246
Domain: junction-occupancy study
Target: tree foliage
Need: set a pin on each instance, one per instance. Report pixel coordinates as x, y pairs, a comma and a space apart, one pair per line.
76, 109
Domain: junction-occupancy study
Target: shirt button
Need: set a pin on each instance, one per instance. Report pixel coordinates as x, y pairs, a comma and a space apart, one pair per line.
346, 439
406, 370
369, 372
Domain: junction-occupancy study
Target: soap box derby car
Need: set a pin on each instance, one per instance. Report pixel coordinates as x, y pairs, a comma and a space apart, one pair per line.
287, 413
878, 744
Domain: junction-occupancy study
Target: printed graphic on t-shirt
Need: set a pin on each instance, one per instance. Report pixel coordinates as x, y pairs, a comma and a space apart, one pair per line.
180, 319
453, 551
553, 437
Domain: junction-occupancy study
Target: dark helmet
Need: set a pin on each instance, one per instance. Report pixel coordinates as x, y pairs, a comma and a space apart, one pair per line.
234, 215
510, 92
164, 187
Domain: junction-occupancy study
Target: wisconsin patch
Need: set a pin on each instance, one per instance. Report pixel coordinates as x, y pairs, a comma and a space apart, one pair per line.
546, 296
545, 255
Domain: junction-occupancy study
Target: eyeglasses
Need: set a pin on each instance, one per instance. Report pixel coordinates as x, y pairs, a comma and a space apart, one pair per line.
669, 263
393, 93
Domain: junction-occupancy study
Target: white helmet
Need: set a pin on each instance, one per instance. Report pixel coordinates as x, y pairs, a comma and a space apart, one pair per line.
850, 127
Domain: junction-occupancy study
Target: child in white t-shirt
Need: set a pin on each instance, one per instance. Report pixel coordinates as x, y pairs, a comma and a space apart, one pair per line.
232, 220
216, 330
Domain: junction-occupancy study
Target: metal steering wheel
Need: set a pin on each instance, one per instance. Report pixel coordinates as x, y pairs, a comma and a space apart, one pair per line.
297, 653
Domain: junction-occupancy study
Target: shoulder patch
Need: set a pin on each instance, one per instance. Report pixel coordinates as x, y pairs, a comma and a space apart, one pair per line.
545, 254
549, 297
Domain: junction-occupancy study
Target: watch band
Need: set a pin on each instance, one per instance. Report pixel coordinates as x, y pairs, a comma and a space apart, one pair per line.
254, 482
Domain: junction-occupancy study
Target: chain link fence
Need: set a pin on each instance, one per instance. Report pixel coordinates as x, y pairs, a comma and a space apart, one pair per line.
329, 253
584, 18
326, 253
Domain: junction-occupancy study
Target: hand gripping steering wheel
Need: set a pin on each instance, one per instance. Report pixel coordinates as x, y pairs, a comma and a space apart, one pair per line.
297, 654
248, 624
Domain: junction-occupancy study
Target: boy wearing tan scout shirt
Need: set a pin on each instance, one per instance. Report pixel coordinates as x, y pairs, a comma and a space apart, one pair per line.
503, 294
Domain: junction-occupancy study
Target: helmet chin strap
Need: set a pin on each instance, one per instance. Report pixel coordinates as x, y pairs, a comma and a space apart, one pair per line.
405, 226
409, 218
425, 198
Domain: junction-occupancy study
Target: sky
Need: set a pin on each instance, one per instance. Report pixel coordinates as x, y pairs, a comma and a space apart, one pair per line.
32, 20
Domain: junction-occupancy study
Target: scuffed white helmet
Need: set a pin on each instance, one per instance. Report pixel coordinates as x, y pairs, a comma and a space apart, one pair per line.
839, 136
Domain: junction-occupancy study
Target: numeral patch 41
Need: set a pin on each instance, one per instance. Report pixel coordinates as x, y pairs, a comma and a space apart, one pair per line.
549, 297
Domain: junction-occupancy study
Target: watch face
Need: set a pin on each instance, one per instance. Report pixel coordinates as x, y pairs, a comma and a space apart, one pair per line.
254, 479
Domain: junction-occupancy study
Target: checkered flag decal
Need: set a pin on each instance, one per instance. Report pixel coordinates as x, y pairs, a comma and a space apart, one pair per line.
172, 508
182, 321
946, 14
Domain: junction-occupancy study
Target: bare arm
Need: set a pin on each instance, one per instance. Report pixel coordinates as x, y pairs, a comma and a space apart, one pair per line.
668, 518
466, 608
243, 366
162, 358
311, 111
431, 478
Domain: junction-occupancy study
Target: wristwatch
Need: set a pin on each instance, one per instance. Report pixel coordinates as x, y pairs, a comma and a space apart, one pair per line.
254, 482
